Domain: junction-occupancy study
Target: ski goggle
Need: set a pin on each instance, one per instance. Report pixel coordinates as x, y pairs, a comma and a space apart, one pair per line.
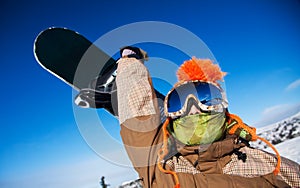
209, 97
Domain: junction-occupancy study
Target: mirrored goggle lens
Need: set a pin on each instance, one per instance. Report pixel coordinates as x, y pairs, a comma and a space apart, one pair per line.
206, 93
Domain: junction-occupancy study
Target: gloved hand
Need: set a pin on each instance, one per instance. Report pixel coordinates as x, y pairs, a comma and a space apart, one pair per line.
130, 51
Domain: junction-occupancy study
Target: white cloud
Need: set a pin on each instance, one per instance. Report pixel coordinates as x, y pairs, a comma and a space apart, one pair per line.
275, 109
293, 85
277, 113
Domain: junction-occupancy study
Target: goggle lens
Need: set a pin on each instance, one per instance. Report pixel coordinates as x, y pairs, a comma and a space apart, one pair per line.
208, 94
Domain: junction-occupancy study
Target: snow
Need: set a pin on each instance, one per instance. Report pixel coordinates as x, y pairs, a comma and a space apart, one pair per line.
272, 126
280, 132
289, 149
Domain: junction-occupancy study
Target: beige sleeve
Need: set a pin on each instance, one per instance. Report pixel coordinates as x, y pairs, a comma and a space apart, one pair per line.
135, 91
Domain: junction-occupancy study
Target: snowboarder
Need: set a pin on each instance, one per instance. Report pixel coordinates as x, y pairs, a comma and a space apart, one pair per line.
102, 182
200, 144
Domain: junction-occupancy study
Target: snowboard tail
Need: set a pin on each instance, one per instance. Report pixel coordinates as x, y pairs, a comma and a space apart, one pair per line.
78, 62
71, 57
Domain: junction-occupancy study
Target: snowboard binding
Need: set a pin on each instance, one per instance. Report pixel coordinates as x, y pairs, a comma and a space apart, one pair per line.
101, 93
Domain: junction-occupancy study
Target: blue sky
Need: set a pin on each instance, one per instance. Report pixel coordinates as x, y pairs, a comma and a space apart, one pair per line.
43, 141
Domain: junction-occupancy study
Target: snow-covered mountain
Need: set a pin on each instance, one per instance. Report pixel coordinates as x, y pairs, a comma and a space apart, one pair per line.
284, 135
132, 184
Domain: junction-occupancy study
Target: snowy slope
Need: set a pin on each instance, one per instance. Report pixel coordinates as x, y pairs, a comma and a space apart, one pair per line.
284, 135
289, 149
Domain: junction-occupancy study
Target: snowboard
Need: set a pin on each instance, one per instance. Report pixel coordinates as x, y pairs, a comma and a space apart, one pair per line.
79, 63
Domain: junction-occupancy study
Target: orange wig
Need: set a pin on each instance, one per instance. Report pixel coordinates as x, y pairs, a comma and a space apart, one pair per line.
200, 69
